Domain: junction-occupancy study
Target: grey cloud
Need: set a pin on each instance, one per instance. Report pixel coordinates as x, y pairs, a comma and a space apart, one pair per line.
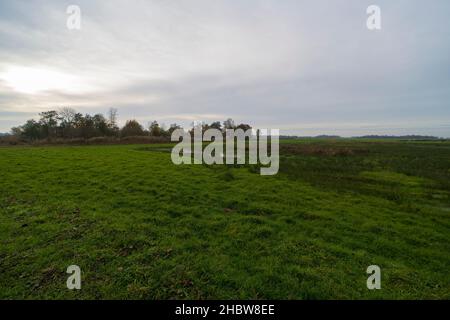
306, 66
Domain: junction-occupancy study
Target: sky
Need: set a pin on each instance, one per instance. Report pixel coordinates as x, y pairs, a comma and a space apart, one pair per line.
304, 67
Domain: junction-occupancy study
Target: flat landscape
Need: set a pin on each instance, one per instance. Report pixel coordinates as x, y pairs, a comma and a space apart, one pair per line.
141, 227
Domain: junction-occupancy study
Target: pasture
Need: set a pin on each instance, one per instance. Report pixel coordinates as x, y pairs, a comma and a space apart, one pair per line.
141, 227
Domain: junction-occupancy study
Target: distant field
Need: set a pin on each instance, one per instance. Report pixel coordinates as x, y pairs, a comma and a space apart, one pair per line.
140, 227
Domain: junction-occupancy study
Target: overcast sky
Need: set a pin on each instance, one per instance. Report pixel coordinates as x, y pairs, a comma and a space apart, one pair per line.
305, 67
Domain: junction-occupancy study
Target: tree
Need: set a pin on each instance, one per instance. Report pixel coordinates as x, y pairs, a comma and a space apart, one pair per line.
229, 124
100, 125
216, 125
154, 128
49, 123
87, 127
112, 121
164, 131
66, 118
197, 126
172, 128
32, 130
244, 127
78, 120
83, 126
132, 128
16, 131
66, 115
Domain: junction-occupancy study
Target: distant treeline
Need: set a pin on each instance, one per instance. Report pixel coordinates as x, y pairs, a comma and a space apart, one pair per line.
310, 137
68, 124
406, 137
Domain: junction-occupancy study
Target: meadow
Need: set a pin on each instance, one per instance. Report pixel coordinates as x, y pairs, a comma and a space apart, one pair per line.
141, 227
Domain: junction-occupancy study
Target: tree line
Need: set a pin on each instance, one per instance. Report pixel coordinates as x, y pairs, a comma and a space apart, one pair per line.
67, 123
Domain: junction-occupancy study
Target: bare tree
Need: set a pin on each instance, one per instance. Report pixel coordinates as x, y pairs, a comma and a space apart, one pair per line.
113, 128
66, 114
112, 117
66, 117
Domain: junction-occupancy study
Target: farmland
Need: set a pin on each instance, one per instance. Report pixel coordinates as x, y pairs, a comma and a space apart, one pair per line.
141, 227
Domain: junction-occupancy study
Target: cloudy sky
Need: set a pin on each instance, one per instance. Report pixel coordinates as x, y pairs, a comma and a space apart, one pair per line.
305, 67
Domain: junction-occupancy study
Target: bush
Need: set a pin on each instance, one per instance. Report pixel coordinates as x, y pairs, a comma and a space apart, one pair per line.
144, 139
11, 140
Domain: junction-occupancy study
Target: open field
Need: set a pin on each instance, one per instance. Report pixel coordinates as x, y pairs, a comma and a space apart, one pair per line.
141, 227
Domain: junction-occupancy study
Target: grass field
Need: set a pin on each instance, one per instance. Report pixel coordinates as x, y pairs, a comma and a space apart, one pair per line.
142, 228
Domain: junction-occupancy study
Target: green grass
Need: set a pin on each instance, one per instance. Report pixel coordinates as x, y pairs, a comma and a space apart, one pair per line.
142, 228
